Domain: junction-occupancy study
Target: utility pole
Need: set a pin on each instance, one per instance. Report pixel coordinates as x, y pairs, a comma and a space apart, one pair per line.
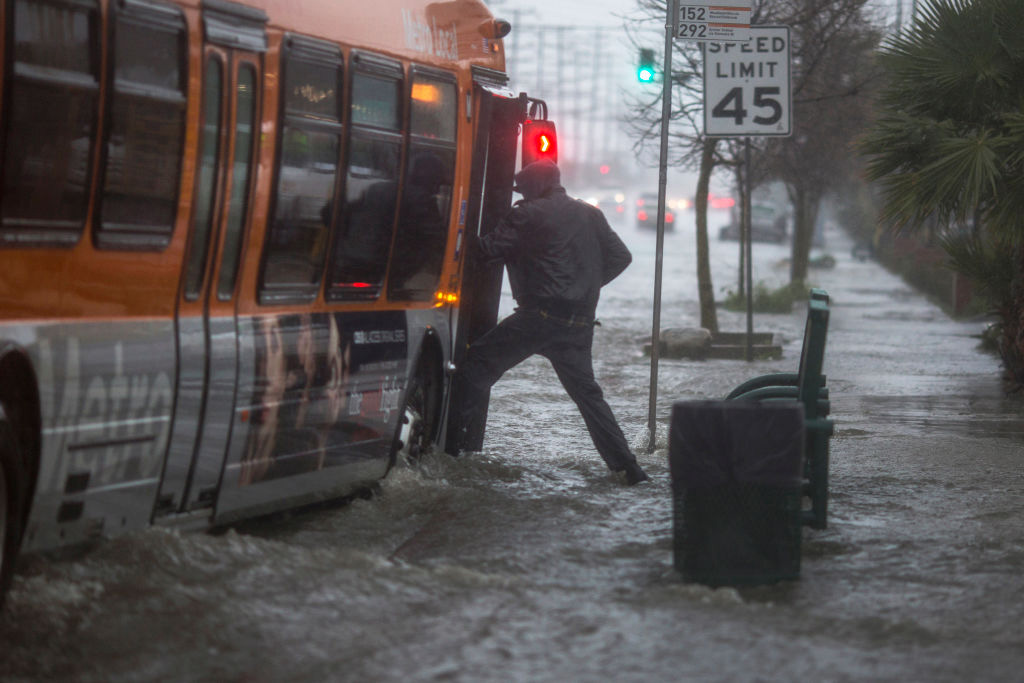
595, 101
560, 71
540, 62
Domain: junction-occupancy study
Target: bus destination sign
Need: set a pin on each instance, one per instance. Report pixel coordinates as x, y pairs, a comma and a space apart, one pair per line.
702, 20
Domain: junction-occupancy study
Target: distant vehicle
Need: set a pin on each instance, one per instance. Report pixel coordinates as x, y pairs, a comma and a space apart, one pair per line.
647, 213
766, 225
611, 202
720, 202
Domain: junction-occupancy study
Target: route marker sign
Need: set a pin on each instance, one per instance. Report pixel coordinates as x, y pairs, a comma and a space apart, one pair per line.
746, 85
703, 20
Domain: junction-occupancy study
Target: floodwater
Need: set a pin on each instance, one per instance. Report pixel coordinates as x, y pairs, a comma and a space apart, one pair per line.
529, 562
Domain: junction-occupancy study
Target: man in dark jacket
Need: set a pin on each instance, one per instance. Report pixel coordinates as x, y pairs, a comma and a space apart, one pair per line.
559, 252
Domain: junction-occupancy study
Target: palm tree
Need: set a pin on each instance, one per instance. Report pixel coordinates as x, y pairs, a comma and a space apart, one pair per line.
948, 144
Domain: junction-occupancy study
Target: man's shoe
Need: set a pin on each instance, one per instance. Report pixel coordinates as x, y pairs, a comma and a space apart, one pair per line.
634, 474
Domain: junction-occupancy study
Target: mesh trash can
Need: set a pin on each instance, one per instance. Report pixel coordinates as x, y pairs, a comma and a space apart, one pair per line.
736, 488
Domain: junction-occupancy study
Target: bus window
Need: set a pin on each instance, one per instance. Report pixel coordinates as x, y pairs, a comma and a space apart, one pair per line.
307, 172
147, 129
245, 125
433, 109
206, 178
425, 206
371, 182
51, 129
375, 102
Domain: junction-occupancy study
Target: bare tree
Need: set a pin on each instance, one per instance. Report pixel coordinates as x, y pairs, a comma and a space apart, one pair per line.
835, 73
687, 149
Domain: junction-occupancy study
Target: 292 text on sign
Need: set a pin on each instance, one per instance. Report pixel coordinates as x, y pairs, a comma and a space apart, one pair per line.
703, 20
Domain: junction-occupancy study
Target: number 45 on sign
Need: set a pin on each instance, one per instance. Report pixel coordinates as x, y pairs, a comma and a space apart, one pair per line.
746, 85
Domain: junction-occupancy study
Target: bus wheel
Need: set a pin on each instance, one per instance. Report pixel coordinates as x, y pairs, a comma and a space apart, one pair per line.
11, 491
417, 425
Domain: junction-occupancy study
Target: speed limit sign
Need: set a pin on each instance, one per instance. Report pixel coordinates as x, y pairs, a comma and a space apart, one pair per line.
746, 85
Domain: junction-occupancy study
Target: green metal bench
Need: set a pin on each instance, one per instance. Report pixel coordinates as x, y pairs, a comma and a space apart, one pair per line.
807, 386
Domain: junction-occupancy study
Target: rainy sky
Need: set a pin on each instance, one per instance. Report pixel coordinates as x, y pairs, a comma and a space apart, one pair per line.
565, 12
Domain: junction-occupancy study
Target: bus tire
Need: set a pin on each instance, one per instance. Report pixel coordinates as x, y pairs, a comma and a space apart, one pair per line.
12, 490
421, 410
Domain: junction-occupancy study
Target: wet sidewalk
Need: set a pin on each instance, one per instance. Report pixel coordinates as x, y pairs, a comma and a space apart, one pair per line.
927, 485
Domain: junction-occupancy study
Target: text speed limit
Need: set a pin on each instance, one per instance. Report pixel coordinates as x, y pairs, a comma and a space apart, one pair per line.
746, 84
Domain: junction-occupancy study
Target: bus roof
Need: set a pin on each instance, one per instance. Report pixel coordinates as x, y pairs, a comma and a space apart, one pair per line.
420, 30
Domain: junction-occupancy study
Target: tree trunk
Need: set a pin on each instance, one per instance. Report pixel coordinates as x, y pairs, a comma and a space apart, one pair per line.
742, 286
705, 290
805, 214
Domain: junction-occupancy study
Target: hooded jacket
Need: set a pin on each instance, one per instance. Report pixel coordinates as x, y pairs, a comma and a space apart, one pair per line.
559, 251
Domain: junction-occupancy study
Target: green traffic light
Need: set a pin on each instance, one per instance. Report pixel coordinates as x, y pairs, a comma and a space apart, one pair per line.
645, 66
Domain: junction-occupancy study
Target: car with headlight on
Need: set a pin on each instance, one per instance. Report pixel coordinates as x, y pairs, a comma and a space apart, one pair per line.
611, 202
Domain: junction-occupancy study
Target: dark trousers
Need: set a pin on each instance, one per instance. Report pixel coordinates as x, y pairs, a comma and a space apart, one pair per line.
564, 341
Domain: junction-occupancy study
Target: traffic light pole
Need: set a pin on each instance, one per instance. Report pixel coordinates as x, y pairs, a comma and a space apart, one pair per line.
666, 112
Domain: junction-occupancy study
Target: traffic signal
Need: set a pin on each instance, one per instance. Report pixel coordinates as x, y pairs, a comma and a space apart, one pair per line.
645, 66
539, 141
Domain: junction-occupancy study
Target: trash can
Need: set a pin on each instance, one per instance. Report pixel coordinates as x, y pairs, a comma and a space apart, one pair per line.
736, 471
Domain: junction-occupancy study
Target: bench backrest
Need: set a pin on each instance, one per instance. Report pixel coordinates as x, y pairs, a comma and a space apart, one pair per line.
815, 295
812, 357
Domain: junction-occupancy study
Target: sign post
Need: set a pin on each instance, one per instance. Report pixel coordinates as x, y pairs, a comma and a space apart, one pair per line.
694, 20
666, 113
747, 93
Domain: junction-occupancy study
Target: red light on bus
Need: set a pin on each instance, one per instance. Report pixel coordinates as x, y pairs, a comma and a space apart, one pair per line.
641, 215
605, 169
539, 141
669, 217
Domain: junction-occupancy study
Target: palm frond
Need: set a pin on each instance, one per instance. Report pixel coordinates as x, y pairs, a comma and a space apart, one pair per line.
989, 264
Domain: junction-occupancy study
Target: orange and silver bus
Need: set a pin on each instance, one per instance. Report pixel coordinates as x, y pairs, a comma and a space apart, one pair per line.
232, 275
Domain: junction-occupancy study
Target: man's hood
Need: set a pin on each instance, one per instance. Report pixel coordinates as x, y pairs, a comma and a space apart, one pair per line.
537, 179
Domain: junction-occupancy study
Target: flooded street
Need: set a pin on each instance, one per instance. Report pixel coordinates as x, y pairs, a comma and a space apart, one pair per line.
530, 562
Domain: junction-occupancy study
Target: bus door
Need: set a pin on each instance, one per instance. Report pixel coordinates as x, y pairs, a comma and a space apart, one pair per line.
207, 305
498, 113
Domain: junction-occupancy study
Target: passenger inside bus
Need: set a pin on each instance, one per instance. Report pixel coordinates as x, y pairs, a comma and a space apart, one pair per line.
421, 229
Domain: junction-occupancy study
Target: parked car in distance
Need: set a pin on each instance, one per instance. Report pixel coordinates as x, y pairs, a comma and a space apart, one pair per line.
766, 225
647, 213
